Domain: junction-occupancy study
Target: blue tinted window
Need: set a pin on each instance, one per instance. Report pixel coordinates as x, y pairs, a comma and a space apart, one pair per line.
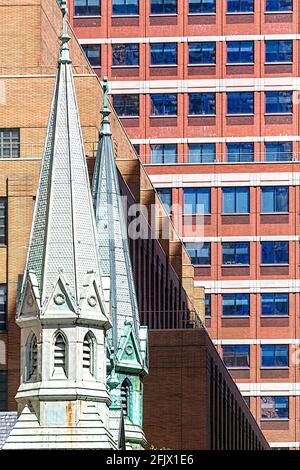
125, 7
163, 7
164, 153
236, 356
240, 102
87, 7
279, 102
275, 252
240, 6
275, 304
199, 253
126, 105
279, 51
202, 153
275, 199
202, 104
236, 305
274, 407
279, 5
274, 355
202, 53
165, 195
236, 252
125, 54
197, 200
240, 52
164, 53
240, 152
207, 305
235, 200
202, 6
163, 104
278, 151
93, 53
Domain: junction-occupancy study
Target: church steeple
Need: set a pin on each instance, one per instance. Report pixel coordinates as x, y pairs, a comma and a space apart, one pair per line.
62, 313
128, 340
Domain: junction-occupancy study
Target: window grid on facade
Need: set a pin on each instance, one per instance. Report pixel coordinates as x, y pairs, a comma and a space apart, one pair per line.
125, 55
93, 53
163, 53
163, 7
236, 356
87, 7
240, 6
202, 6
126, 105
125, 7
9, 143
202, 53
275, 199
274, 408
163, 153
275, 356
202, 153
275, 6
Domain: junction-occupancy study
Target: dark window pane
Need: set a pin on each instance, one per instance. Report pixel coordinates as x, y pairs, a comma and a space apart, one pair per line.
163, 53
207, 305
93, 53
197, 200
3, 390
165, 195
125, 54
274, 252
240, 6
279, 102
240, 102
163, 7
163, 104
202, 104
235, 200
279, 5
87, 7
202, 153
202, 6
240, 152
274, 407
126, 105
125, 7
237, 305
240, 52
279, 151
275, 199
279, 51
9, 143
275, 304
236, 253
199, 253
163, 153
274, 355
202, 53
236, 356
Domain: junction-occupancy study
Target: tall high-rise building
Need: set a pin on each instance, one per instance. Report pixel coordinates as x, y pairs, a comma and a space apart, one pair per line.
208, 93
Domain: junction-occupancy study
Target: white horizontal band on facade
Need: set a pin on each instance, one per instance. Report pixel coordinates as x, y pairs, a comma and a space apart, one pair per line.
255, 286
183, 39
285, 444
256, 341
216, 140
269, 388
191, 180
205, 85
256, 239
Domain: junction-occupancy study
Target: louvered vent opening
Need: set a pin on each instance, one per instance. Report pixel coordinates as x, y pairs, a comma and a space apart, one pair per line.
60, 354
124, 398
87, 354
32, 358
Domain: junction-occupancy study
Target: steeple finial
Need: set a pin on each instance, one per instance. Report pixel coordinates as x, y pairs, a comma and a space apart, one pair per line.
64, 37
105, 128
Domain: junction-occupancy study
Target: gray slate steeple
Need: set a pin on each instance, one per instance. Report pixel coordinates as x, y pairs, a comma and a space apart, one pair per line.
63, 235
63, 401
127, 342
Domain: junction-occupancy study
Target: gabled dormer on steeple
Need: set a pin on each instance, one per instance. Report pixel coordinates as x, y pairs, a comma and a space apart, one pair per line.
128, 361
61, 312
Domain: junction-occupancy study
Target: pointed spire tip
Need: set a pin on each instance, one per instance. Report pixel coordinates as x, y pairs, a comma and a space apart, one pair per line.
105, 111
64, 37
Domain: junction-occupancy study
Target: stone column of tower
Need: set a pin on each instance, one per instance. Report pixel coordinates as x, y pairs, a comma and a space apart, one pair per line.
63, 402
127, 342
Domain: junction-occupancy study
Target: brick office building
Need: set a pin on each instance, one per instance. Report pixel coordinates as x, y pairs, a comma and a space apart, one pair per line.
208, 93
